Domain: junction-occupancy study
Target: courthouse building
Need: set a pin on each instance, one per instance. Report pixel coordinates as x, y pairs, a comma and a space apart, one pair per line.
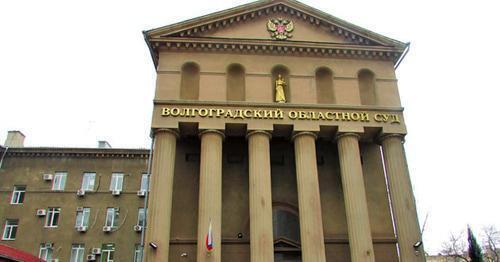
277, 136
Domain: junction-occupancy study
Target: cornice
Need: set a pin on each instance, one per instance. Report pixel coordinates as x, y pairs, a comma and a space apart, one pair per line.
77, 152
275, 105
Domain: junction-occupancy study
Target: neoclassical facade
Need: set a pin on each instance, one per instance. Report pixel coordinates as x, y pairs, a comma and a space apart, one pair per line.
278, 136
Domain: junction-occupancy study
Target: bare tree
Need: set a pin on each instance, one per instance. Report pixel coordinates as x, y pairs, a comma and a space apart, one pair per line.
491, 243
456, 247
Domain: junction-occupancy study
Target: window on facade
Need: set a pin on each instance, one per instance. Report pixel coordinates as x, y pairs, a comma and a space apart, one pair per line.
144, 182
10, 229
286, 232
88, 181
138, 253
324, 86
77, 252
18, 195
45, 252
116, 182
82, 217
111, 217
107, 252
59, 181
52, 218
190, 81
366, 82
235, 86
141, 217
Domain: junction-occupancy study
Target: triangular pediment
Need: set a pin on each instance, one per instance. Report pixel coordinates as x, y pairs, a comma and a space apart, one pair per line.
250, 22
245, 29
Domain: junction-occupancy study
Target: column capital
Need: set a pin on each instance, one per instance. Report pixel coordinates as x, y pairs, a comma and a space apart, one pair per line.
341, 135
381, 137
166, 130
215, 131
254, 132
305, 133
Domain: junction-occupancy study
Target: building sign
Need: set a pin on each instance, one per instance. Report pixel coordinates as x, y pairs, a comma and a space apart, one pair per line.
280, 114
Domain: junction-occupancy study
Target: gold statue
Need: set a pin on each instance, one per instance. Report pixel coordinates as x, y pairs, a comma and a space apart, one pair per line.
280, 89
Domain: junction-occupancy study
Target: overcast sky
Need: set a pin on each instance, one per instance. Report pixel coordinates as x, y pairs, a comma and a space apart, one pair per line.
73, 72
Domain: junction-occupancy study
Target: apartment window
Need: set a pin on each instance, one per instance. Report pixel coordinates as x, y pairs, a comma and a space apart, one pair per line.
18, 195
10, 229
144, 182
141, 217
116, 182
138, 253
46, 252
59, 181
111, 217
77, 252
107, 252
52, 217
88, 181
82, 217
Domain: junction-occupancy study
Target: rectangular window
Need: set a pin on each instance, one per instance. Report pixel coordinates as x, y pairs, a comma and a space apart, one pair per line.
45, 252
88, 181
77, 252
10, 229
144, 182
107, 252
141, 217
116, 182
138, 253
59, 181
18, 195
82, 217
52, 217
111, 217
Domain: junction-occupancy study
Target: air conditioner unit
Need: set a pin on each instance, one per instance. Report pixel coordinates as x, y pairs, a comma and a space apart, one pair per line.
91, 257
137, 228
106, 229
81, 228
141, 193
47, 177
116, 192
80, 192
95, 251
41, 212
48, 245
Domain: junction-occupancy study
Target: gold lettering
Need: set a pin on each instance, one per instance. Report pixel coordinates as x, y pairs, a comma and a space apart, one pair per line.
239, 114
278, 114
165, 111
175, 111
329, 115
203, 112
365, 117
346, 116
292, 114
220, 112
257, 114
268, 114
395, 119
247, 113
229, 113
321, 116
355, 116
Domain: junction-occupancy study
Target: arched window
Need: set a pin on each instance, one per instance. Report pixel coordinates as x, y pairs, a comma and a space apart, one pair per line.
235, 88
366, 82
324, 86
286, 233
284, 72
190, 81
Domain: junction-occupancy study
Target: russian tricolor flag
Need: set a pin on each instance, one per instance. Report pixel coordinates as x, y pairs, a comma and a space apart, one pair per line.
209, 239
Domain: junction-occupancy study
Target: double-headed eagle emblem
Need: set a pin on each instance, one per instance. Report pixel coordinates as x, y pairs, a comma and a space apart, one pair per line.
280, 28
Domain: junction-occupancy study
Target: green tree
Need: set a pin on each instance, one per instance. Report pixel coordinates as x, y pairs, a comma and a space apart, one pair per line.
475, 253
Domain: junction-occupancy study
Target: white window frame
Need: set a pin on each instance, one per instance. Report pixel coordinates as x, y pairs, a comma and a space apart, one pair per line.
138, 253
85, 217
116, 182
77, 253
144, 182
46, 253
16, 195
111, 215
88, 181
106, 253
143, 211
50, 221
11, 225
59, 182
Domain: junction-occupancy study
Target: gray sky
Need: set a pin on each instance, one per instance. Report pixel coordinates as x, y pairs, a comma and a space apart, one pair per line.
73, 72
